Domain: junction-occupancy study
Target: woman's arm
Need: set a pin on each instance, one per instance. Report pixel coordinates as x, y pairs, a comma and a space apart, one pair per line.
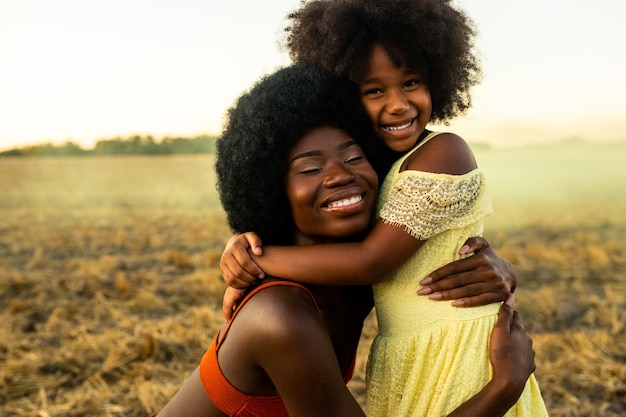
280, 332
190, 401
297, 354
480, 279
513, 360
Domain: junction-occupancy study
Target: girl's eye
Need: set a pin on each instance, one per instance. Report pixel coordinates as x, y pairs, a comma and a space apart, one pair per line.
372, 91
412, 83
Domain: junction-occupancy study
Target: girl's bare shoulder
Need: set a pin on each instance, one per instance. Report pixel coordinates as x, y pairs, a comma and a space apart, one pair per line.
446, 153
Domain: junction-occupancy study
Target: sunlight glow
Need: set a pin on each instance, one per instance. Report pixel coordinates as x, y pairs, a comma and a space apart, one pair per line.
83, 71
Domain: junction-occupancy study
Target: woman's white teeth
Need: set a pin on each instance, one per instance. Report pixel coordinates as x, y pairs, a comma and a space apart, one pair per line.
396, 128
345, 202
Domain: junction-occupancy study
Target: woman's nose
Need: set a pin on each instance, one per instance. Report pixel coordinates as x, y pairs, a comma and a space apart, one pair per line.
338, 175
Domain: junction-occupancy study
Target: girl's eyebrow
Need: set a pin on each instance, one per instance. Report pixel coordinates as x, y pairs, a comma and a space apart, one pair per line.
369, 81
407, 72
342, 146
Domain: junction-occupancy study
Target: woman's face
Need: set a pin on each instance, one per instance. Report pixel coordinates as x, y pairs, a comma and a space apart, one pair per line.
331, 186
397, 101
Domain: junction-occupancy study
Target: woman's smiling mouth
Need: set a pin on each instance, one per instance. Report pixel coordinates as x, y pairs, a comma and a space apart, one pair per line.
345, 202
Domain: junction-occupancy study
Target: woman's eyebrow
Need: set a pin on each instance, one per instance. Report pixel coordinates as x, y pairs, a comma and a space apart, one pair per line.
341, 147
306, 155
347, 144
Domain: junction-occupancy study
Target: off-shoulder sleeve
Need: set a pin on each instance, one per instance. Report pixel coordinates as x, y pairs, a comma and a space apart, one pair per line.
426, 204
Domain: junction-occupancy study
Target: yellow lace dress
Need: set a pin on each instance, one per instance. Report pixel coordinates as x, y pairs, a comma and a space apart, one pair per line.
429, 357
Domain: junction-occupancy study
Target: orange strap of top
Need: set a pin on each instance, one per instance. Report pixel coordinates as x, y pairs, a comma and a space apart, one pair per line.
261, 287
223, 394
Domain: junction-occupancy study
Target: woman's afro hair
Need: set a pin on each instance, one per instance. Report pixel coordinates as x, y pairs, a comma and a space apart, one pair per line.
261, 129
429, 36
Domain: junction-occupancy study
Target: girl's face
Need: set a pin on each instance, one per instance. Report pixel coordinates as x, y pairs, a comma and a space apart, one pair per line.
396, 99
331, 186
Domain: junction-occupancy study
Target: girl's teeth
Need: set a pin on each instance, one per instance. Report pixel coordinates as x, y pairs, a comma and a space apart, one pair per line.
345, 202
396, 128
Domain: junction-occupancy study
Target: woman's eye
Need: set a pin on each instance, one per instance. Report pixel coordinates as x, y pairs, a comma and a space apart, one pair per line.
355, 158
310, 170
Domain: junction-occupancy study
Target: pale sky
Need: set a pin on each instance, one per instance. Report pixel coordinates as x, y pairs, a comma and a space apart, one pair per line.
84, 70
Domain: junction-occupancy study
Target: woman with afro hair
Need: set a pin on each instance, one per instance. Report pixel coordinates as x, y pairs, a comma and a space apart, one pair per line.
414, 63
289, 348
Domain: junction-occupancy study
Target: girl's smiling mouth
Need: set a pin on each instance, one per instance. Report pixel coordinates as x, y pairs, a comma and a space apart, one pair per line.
397, 128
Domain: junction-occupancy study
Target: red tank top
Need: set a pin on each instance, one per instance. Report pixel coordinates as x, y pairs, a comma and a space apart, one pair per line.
228, 398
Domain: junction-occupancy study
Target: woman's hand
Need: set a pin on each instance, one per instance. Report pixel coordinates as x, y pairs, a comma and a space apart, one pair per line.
511, 352
513, 360
238, 268
480, 279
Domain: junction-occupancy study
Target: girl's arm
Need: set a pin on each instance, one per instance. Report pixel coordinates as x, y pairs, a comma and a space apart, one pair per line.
480, 279
357, 263
385, 249
387, 246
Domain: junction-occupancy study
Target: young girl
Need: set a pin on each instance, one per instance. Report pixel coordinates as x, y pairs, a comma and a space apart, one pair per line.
414, 64
290, 348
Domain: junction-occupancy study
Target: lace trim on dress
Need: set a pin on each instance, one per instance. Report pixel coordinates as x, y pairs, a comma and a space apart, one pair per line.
426, 204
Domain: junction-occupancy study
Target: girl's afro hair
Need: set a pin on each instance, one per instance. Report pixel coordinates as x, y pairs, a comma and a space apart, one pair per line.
429, 36
261, 129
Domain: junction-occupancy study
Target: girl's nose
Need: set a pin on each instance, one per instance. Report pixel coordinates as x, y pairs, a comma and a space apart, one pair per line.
396, 102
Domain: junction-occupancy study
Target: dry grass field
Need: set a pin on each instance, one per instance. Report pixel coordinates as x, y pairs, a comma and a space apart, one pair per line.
110, 288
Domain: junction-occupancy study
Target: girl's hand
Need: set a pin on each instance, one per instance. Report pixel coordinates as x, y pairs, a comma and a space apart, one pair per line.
480, 279
238, 269
231, 297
